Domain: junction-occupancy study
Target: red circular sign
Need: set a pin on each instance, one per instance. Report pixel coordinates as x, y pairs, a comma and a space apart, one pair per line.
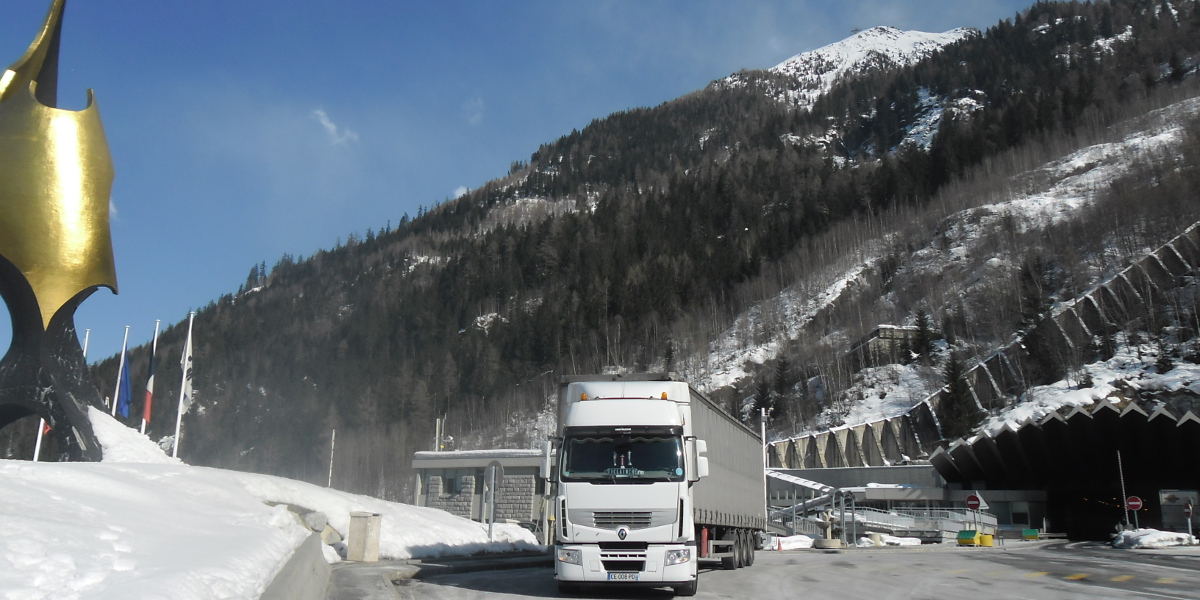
973, 502
1133, 503
1187, 510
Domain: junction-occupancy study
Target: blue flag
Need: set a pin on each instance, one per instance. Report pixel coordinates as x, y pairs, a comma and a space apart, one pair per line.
125, 393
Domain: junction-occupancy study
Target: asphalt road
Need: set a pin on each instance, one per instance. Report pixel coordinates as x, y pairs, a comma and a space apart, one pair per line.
1043, 571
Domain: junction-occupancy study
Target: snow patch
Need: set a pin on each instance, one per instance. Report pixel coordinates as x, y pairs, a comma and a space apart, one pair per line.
1152, 538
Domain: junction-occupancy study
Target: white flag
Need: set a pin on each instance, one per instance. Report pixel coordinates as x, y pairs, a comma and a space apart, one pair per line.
185, 399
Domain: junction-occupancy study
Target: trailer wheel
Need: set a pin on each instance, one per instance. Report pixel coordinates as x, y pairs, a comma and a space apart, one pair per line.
751, 546
742, 549
688, 589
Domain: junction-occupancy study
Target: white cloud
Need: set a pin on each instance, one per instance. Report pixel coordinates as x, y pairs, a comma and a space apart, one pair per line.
339, 136
460, 191
112, 211
473, 110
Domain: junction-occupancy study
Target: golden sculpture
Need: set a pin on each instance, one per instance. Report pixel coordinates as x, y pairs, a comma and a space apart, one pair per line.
55, 180
55, 247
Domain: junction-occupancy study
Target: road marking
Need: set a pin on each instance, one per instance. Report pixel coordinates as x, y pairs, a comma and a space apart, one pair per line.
1037, 573
1077, 576
957, 571
1122, 578
1166, 580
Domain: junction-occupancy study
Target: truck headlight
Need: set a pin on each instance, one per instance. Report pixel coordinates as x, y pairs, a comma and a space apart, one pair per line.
571, 557
678, 557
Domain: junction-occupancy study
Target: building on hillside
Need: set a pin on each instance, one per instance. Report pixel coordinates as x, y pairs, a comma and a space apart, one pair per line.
886, 344
455, 481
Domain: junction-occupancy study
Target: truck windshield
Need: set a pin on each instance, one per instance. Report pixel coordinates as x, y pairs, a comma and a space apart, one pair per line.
622, 458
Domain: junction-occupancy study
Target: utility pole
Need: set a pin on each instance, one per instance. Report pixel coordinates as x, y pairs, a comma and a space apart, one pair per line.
763, 429
332, 440
1124, 503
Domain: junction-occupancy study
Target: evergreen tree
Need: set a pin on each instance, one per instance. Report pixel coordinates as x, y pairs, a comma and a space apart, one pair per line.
922, 344
959, 414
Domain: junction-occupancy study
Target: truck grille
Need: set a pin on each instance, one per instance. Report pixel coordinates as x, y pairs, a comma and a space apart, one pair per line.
614, 519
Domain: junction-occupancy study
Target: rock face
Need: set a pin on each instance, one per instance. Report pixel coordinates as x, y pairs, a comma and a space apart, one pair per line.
315, 521
330, 536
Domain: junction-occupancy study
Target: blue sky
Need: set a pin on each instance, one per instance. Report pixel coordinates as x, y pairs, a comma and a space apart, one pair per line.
245, 129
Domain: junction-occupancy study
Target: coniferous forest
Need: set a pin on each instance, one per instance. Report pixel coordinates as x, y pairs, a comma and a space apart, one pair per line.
634, 242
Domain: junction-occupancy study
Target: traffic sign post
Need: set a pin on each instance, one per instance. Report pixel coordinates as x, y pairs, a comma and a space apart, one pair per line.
976, 503
492, 478
1187, 514
1134, 504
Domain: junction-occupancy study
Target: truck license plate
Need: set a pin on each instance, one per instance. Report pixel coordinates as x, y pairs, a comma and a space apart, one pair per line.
622, 576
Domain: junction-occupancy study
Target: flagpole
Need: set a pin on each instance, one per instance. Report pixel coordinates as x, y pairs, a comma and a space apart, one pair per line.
120, 371
37, 446
150, 379
185, 363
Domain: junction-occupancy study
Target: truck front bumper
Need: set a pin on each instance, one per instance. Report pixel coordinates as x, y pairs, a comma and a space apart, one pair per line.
626, 567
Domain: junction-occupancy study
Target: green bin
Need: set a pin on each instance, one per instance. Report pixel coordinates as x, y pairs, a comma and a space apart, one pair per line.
968, 537
1029, 534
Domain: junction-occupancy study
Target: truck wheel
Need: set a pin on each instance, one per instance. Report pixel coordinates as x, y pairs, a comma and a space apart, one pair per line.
742, 548
751, 546
688, 589
567, 588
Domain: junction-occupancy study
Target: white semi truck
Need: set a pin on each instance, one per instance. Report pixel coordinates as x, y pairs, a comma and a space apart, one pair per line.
650, 477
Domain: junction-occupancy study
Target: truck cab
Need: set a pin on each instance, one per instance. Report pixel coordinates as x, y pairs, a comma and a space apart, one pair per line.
627, 464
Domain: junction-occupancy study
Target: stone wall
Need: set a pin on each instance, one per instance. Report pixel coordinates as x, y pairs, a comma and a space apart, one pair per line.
515, 498
460, 504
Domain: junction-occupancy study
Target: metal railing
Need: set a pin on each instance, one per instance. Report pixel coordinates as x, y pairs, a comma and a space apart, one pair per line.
949, 519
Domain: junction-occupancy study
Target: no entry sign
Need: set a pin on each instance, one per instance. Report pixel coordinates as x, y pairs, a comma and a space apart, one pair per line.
1187, 510
1133, 503
973, 502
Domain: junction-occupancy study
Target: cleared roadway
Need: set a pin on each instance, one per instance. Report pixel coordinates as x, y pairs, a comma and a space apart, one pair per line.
1037, 571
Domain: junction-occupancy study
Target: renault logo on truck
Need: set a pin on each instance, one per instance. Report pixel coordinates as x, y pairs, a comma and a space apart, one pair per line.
623, 532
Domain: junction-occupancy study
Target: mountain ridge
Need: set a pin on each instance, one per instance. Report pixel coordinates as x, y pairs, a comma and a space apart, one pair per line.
632, 244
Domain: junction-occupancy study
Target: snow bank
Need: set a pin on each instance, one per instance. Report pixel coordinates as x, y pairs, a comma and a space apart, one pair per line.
888, 540
124, 445
142, 524
1152, 538
793, 542
124, 530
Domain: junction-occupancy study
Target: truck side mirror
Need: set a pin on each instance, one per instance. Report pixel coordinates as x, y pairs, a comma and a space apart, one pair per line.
547, 455
700, 468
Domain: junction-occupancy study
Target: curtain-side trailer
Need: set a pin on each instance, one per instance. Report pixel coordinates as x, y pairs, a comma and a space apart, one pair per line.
650, 477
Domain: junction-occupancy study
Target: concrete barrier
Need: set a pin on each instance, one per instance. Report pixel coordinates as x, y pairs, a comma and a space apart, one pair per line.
305, 576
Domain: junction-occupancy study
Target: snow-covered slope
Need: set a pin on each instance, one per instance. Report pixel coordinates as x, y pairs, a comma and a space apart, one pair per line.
815, 72
143, 525
1054, 192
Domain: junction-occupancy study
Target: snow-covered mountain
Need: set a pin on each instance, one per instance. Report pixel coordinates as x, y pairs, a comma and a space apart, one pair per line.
811, 74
